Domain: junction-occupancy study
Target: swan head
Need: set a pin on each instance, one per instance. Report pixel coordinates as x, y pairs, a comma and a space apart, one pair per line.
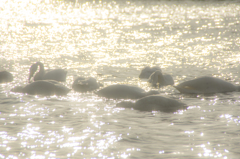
156, 77
147, 71
33, 69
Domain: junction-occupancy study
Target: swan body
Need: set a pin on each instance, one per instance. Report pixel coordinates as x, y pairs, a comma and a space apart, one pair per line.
43, 87
158, 78
154, 103
206, 85
82, 84
5, 77
147, 71
56, 74
121, 91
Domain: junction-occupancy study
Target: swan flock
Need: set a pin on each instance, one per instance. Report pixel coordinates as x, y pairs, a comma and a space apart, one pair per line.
48, 82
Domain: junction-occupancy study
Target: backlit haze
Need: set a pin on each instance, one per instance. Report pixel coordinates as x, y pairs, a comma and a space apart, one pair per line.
112, 41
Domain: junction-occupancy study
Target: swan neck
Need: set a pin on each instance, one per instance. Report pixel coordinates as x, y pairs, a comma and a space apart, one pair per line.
41, 67
161, 79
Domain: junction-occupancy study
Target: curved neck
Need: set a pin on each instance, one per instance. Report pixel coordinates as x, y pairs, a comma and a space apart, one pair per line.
41, 70
157, 77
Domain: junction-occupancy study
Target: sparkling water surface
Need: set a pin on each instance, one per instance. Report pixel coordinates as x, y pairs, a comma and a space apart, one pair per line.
112, 41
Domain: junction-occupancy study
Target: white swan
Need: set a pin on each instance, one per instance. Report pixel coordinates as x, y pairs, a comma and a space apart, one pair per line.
43, 87
147, 71
5, 77
154, 103
82, 84
121, 91
206, 85
56, 74
160, 79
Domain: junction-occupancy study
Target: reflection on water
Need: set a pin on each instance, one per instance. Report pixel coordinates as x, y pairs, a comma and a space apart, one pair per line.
113, 41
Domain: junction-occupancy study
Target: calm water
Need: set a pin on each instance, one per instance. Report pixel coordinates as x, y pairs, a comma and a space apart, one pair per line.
113, 41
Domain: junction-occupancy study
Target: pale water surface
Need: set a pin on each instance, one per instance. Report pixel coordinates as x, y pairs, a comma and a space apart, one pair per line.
113, 41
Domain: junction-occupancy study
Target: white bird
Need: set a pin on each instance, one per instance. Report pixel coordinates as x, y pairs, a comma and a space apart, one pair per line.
160, 79
82, 84
56, 74
147, 71
206, 85
5, 77
121, 91
154, 103
43, 87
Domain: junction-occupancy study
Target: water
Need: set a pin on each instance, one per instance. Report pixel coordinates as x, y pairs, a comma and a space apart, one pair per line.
113, 41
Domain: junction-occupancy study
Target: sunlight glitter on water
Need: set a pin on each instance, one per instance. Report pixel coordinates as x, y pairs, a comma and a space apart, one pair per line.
113, 41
